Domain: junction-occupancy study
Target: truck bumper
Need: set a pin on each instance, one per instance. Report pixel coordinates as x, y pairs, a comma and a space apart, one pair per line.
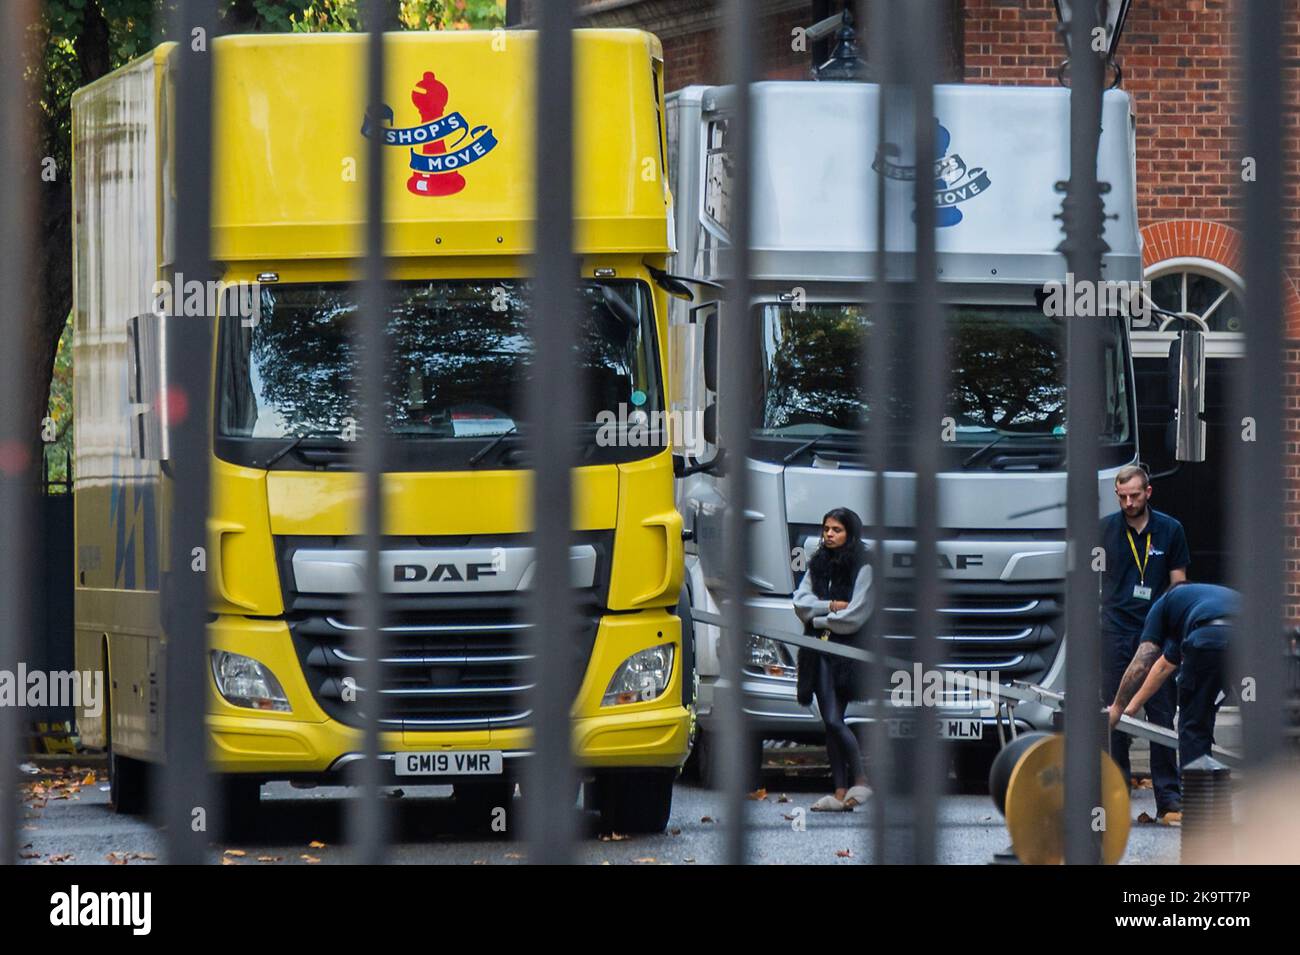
307, 743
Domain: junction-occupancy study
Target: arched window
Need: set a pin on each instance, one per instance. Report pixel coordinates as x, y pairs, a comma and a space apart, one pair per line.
1197, 288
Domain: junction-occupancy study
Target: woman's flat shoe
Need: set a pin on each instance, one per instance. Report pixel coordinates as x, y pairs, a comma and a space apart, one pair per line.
857, 796
830, 804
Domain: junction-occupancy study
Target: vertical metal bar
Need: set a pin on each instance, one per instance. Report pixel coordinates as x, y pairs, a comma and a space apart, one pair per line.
928, 392
550, 785
1083, 248
875, 364
185, 781
1257, 476
738, 362
368, 835
19, 505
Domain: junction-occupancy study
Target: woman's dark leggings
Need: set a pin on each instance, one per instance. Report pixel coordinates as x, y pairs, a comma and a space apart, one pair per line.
841, 744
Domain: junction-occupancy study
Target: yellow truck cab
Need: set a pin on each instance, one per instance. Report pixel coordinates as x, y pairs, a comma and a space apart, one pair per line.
284, 555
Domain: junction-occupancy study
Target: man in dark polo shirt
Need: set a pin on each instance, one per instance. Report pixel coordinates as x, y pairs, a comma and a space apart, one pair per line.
1145, 551
1187, 630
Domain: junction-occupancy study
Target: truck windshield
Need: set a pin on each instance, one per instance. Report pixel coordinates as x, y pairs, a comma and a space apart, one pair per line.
1007, 382
459, 356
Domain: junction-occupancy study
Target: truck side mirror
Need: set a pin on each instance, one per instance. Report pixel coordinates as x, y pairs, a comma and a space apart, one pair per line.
711, 353
145, 351
710, 422
1187, 376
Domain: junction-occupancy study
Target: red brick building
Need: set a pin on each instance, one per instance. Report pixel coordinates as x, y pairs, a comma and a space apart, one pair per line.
1180, 66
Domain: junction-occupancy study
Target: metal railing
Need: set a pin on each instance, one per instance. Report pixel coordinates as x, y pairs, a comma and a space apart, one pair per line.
903, 44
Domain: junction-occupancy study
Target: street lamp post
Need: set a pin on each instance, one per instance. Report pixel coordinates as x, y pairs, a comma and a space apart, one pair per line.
1110, 19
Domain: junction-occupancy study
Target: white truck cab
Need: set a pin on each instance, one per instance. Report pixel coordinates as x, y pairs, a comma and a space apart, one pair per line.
815, 167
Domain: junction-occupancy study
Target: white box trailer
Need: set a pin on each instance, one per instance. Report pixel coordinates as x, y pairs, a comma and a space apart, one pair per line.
816, 168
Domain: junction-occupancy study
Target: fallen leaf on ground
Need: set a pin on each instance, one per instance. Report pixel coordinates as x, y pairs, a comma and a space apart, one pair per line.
783, 798
225, 860
612, 837
314, 844
311, 860
844, 853
758, 794
89, 778
29, 855
1145, 817
236, 852
706, 818
270, 858
62, 858
675, 832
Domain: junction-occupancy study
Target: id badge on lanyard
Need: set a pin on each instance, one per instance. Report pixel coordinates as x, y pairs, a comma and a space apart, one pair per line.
1140, 590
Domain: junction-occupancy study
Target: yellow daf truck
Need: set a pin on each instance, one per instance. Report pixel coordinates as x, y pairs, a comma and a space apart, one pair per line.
284, 556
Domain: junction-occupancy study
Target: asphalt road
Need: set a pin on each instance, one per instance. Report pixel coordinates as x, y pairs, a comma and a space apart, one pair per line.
68, 821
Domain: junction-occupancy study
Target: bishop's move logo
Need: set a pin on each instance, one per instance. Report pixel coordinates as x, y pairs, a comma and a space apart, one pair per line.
953, 182
441, 145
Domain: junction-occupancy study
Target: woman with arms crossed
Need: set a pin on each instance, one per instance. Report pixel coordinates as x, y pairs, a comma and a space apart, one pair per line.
833, 601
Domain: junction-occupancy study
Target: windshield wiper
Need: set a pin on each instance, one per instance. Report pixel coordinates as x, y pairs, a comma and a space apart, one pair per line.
487, 449
808, 445
281, 451
972, 458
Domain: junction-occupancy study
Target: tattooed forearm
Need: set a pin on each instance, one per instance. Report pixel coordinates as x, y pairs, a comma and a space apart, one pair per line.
1136, 673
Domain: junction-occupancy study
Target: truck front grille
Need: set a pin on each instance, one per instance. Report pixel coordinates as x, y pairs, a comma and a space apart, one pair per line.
459, 669
1013, 629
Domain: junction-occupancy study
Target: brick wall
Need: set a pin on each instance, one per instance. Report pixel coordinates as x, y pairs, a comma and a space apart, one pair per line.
1180, 67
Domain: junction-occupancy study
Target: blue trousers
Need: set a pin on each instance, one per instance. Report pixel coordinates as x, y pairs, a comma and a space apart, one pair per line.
1200, 678
1119, 649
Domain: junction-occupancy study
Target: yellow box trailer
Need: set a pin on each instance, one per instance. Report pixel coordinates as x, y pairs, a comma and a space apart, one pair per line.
284, 555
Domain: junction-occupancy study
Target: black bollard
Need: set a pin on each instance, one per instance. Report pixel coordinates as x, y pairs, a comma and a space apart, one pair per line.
1207, 812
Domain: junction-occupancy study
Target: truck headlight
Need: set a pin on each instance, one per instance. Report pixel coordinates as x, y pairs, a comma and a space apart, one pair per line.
246, 682
642, 676
769, 656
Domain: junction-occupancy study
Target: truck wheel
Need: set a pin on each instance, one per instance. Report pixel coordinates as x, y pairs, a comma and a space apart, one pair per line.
128, 784
476, 803
241, 801
635, 802
708, 763
971, 765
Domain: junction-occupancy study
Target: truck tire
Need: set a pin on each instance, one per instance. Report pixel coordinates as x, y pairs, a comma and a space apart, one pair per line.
971, 765
241, 799
128, 784
708, 764
476, 803
635, 801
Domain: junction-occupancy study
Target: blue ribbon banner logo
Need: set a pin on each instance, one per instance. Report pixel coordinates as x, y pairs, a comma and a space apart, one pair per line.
954, 183
471, 143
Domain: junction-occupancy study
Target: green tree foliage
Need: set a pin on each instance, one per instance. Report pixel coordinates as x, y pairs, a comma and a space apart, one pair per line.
75, 42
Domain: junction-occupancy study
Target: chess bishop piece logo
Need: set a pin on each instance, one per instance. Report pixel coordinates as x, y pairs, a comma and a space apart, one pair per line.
442, 145
430, 98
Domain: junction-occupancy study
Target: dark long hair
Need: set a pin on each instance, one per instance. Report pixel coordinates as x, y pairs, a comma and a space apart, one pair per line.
834, 569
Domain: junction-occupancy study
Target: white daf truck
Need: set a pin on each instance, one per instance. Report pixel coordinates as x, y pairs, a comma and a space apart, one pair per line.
816, 163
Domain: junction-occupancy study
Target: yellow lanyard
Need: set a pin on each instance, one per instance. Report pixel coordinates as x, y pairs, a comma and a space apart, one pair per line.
1141, 564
